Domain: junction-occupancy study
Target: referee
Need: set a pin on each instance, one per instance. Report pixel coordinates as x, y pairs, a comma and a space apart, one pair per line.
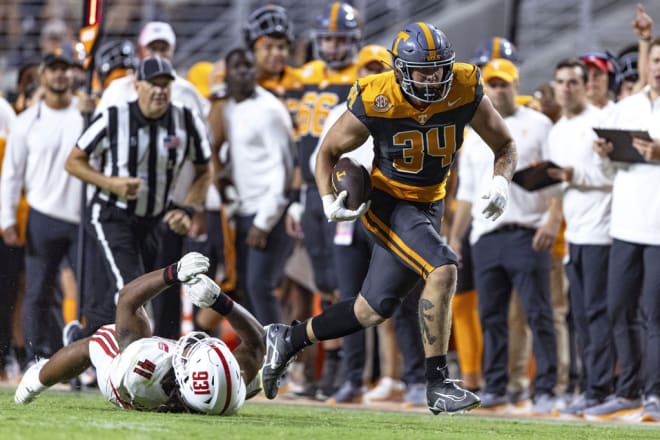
137, 150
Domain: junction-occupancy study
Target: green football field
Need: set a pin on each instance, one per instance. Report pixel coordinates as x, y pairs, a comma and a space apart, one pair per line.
65, 415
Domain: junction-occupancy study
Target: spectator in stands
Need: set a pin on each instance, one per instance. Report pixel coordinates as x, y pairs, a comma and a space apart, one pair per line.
55, 34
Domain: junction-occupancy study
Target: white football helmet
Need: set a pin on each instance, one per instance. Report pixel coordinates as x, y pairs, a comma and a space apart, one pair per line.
208, 375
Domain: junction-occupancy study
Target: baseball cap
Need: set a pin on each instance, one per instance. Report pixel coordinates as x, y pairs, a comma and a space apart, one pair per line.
153, 67
500, 68
374, 52
155, 31
598, 60
63, 54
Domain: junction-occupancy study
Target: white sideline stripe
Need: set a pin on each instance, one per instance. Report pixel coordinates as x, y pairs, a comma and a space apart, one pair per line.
96, 210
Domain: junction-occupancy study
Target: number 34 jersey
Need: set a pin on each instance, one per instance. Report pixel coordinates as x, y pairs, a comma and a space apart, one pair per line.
414, 149
133, 378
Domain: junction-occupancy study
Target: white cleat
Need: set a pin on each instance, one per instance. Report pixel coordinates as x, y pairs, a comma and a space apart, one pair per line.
30, 387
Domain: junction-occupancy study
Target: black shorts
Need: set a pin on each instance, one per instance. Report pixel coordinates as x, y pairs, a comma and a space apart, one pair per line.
409, 246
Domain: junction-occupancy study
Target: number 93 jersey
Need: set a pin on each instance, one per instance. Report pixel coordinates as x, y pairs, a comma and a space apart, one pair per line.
414, 149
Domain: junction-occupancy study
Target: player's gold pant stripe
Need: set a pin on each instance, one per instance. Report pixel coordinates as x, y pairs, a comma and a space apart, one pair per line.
496, 48
410, 252
394, 242
334, 12
429, 39
381, 236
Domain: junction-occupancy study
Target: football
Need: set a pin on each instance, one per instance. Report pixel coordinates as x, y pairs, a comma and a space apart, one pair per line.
348, 175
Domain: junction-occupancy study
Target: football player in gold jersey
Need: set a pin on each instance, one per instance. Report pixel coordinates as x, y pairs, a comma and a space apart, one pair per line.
326, 82
269, 34
416, 115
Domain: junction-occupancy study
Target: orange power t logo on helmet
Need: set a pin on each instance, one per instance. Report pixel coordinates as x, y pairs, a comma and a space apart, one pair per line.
399, 38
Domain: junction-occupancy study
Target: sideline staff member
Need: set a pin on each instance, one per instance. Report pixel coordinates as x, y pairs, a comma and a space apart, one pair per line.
141, 146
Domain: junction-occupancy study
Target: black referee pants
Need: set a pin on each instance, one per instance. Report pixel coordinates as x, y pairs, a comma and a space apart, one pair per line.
128, 246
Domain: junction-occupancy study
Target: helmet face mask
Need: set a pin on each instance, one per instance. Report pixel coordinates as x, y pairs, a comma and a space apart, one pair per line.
269, 20
423, 62
113, 55
433, 90
337, 34
208, 375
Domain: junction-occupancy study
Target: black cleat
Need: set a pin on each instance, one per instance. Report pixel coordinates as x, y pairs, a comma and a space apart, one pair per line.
446, 396
279, 354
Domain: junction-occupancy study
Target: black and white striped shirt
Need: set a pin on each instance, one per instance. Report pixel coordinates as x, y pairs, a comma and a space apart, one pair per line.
123, 142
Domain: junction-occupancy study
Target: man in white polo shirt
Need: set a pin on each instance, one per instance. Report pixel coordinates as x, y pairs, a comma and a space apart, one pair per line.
634, 279
587, 201
37, 147
514, 250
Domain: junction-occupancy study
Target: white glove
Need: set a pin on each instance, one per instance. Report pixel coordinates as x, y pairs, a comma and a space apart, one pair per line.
497, 197
190, 265
202, 291
335, 211
295, 211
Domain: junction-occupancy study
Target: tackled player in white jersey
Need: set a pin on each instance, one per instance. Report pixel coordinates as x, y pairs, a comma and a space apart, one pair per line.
136, 370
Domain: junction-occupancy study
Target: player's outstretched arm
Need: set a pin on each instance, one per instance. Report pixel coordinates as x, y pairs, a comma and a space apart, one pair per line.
205, 293
131, 321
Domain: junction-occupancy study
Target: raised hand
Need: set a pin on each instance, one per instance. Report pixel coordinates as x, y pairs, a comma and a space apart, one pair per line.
191, 265
202, 291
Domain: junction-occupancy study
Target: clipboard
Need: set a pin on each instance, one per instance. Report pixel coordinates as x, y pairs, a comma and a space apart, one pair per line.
535, 177
622, 142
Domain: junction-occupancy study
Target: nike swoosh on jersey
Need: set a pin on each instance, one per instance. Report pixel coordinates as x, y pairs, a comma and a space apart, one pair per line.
451, 103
